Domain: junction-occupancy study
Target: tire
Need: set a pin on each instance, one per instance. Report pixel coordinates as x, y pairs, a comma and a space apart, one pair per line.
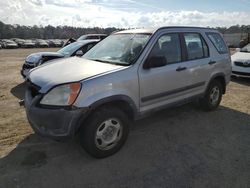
104, 132
212, 97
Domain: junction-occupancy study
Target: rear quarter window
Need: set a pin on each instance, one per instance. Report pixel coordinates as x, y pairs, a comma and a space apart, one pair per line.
218, 42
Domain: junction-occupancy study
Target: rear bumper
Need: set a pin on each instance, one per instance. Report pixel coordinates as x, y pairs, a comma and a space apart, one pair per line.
55, 123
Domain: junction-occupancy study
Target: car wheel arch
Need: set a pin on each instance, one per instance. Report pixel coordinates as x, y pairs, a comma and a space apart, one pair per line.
123, 102
221, 78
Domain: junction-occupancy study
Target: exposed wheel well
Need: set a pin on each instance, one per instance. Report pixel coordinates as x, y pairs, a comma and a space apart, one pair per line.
221, 79
120, 104
124, 105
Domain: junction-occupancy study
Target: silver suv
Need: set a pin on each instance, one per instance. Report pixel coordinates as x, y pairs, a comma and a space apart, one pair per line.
124, 77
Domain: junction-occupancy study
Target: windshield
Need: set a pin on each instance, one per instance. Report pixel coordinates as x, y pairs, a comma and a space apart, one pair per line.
118, 49
246, 48
70, 49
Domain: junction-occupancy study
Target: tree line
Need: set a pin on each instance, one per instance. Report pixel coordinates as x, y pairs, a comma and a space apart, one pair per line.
48, 32
64, 32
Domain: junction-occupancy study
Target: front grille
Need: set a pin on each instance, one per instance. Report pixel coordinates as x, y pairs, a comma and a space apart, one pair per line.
28, 66
242, 64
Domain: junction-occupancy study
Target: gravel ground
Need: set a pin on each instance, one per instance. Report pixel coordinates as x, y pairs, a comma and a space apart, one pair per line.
178, 147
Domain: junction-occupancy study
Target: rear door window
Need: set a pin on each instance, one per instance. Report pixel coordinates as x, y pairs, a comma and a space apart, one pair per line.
196, 46
218, 42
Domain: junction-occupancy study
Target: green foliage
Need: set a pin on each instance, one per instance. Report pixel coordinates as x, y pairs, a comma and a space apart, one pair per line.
65, 32
48, 32
235, 29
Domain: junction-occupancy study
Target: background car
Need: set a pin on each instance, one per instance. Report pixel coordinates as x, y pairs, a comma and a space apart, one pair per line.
9, 44
85, 37
54, 43
28, 44
92, 36
19, 42
41, 43
241, 62
75, 49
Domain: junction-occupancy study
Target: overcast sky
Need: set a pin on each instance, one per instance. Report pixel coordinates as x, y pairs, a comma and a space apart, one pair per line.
126, 13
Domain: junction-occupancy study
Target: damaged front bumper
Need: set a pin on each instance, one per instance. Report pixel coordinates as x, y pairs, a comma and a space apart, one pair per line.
58, 123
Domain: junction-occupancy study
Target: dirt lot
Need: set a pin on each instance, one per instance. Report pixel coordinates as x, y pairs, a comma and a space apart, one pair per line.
180, 147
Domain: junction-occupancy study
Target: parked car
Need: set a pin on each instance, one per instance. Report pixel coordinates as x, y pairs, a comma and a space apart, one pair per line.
9, 44
92, 36
19, 42
28, 44
55, 42
241, 62
75, 49
41, 43
85, 37
69, 41
126, 76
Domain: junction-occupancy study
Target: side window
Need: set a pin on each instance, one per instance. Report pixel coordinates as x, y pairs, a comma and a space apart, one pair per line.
90, 46
218, 42
196, 46
84, 49
169, 47
87, 47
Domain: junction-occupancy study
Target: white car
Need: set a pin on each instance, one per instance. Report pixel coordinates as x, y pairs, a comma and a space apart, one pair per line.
241, 62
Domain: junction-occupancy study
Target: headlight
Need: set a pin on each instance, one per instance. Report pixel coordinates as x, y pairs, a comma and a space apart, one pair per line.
63, 95
33, 58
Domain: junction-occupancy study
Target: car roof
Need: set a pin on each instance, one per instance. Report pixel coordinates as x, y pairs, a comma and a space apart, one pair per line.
95, 35
153, 30
87, 41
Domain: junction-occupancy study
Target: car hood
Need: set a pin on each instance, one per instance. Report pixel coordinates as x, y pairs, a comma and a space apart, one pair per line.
240, 56
67, 70
35, 57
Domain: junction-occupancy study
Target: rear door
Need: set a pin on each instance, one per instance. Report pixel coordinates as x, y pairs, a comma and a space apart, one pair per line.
197, 60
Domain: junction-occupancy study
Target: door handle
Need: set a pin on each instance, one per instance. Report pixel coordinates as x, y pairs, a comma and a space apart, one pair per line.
181, 69
212, 62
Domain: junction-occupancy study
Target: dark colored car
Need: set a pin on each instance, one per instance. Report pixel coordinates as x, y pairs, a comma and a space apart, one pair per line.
41, 43
9, 44
75, 49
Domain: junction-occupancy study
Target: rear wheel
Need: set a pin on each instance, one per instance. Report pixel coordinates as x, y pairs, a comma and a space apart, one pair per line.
104, 132
213, 96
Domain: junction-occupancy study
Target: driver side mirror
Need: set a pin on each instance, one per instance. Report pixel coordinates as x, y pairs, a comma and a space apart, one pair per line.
79, 53
155, 61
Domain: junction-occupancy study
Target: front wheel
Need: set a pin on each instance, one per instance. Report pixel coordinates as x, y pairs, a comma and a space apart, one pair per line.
104, 132
212, 97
